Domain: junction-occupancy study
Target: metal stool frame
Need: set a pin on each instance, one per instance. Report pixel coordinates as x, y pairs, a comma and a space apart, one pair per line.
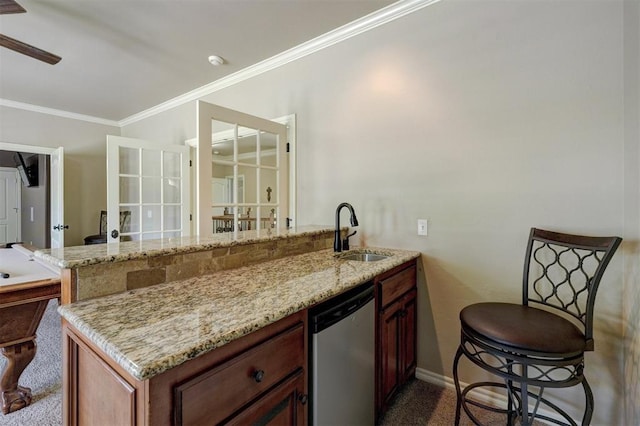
562, 272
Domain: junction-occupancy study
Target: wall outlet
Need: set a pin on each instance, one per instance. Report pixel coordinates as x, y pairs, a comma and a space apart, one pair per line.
422, 227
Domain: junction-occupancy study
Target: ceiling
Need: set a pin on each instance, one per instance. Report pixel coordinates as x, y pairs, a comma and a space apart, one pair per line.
121, 57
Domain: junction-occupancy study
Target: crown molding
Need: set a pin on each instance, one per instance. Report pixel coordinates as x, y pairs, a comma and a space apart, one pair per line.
352, 29
57, 112
359, 26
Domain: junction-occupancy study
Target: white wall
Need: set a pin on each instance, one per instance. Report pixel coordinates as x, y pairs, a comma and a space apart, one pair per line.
84, 167
487, 118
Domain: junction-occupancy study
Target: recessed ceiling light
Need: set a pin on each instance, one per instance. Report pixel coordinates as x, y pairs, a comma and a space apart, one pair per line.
216, 60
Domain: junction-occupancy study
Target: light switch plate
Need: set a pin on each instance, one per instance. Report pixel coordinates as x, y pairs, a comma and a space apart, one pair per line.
422, 227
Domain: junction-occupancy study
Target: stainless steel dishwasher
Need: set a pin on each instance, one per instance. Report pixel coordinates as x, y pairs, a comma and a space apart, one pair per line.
343, 359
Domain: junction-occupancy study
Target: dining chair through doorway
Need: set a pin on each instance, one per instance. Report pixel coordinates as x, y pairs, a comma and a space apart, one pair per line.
101, 237
540, 343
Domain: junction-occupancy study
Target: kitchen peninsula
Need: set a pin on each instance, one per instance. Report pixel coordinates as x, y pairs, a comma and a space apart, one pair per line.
228, 345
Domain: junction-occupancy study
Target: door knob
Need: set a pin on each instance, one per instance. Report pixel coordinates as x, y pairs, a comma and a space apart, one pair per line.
114, 233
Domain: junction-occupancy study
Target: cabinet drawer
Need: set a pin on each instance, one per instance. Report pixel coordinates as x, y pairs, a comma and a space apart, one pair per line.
212, 396
396, 285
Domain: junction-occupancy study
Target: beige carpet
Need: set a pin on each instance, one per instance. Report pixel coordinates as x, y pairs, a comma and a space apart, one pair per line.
419, 403
43, 376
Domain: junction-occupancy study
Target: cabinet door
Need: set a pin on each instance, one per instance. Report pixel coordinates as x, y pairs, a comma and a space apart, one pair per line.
96, 393
408, 340
390, 352
284, 405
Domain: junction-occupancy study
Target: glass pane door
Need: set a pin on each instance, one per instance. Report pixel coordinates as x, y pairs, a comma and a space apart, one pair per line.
249, 155
247, 161
147, 190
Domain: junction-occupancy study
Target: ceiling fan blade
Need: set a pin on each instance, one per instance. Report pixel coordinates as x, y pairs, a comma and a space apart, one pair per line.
27, 49
10, 6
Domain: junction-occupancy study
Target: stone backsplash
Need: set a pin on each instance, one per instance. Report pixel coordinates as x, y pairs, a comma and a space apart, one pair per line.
106, 278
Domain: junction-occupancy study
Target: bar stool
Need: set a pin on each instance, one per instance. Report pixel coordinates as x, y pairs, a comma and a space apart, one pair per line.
528, 346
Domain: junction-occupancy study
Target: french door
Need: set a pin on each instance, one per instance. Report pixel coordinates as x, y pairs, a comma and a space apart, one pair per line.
56, 177
250, 155
147, 190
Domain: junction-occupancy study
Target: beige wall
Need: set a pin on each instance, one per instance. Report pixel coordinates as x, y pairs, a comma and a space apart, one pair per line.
487, 118
631, 313
84, 162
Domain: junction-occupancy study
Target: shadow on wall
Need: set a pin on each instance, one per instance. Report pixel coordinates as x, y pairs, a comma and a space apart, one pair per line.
441, 297
428, 349
631, 372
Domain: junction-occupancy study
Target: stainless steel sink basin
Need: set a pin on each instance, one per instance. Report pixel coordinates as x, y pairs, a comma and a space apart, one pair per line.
364, 257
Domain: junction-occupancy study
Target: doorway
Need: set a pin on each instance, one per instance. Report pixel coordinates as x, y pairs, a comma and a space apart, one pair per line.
42, 203
25, 204
9, 204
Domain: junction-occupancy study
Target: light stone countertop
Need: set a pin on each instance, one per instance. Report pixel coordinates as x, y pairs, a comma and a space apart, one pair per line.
78, 256
153, 329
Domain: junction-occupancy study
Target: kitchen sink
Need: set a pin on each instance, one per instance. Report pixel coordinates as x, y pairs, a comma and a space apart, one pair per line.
363, 256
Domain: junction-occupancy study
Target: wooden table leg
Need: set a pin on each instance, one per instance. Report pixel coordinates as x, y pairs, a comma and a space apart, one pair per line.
14, 396
21, 309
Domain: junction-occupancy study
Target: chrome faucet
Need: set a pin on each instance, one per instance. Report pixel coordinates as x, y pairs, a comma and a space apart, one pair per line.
338, 244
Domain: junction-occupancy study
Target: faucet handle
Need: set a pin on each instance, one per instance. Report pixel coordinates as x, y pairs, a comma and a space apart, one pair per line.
345, 242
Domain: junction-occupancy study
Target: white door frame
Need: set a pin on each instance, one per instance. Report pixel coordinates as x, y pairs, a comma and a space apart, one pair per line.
57, 205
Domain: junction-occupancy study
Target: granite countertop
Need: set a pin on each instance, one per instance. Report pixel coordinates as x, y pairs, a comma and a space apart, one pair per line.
78, 256
151, 330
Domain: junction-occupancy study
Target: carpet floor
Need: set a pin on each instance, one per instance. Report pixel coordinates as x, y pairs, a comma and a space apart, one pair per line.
43, 375
419, 403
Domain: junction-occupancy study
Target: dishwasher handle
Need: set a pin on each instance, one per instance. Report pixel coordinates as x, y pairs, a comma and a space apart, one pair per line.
334, 310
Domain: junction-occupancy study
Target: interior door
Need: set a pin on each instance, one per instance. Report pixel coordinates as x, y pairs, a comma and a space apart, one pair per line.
147, 190
249, 151
57, 198
9, 205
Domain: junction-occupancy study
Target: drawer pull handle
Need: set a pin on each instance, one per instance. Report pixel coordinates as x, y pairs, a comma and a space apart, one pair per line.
258, 376
303, 399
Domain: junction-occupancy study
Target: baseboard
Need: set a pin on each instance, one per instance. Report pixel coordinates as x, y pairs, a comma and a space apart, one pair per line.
481, 395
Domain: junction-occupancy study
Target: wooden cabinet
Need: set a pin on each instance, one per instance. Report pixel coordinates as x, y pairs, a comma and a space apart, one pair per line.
395, 332
281, 406
260, 378
212, 395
